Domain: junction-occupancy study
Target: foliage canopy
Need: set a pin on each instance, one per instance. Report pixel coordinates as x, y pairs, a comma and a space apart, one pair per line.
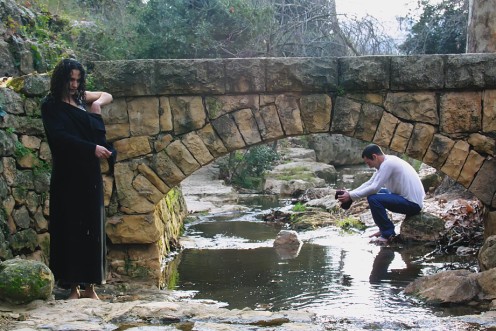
441, 28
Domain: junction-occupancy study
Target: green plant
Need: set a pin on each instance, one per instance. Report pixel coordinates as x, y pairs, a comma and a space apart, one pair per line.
42, 167
247, 169
350, 223
21, 150
299, 207
10, 130
4, 228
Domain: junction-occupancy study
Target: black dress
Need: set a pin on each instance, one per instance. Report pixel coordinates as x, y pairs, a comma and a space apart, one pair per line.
77, 237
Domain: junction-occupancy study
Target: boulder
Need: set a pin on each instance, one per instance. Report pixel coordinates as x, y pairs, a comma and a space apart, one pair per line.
299, 153
292, 179
487, 254
287, 244
487, 283
453, 286
421, 227
337, 149
22, 281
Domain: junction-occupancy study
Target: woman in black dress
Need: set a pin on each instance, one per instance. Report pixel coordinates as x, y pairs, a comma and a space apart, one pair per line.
77, 142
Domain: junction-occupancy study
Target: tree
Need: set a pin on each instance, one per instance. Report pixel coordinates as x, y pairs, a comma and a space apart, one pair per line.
441, 28
481, 34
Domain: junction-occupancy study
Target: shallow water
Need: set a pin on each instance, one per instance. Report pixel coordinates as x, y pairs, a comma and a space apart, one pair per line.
339, 276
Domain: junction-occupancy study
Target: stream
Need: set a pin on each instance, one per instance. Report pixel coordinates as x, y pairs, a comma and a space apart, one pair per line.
342, 277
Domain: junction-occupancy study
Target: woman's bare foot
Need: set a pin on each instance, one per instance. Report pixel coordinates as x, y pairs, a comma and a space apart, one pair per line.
74, 293
89, 292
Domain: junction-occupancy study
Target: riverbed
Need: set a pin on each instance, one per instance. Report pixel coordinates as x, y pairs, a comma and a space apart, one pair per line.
339, 276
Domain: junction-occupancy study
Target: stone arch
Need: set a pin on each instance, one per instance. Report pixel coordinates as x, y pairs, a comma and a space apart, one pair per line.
179, 115
171, 117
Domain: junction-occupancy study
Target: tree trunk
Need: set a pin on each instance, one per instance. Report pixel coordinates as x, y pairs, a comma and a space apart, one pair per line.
481, 32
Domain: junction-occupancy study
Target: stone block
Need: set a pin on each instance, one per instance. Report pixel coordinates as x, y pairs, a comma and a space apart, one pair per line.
482, 144
289, 114
119, 77
116, 112
385, 130
224, 104
417, 72
190, 76
181, 156
401, 137
364, 73
147, 189
247, 126
31, 142
245, 75
268, 122
417, 107
165, 114
461, 112
490, 225
187, 113
213, 142
143, 116
438, 151
197, 148
166, 169
11, 101
162, 142
134, 229
471, 71
117, 131
108, 185
483, 185
487, 254
316, 112
302, 74
456, 159
369, 120
421, 138
228, 131
130, 200
345, 115
132, 147
489, 111
472, 165
153, 178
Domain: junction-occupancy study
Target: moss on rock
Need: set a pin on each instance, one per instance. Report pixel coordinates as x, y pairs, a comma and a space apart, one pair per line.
22, 281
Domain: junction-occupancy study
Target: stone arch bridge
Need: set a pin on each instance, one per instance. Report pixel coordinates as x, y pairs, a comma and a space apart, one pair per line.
171, 117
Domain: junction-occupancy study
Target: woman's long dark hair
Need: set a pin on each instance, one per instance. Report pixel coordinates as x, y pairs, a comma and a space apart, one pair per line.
59, 83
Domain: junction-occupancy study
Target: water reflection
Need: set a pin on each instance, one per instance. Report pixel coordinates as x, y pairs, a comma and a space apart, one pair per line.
334, 274
381, 271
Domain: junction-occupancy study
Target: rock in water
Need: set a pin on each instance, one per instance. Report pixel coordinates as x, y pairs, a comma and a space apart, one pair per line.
422, 227
287, 244
22, 281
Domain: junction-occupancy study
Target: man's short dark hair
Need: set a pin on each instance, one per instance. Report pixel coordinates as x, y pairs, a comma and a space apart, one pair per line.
371, 149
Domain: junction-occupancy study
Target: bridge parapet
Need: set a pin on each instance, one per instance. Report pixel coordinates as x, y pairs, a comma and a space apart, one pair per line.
171, 117
275, 75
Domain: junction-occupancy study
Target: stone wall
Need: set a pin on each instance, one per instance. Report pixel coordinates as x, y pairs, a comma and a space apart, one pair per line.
24, 192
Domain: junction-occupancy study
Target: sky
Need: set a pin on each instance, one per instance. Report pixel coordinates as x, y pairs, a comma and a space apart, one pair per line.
385, 11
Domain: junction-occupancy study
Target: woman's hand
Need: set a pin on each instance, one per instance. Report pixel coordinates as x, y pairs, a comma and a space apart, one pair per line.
102, 153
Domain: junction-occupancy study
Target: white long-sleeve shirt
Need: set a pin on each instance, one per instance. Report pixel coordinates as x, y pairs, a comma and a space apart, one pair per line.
398, 176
